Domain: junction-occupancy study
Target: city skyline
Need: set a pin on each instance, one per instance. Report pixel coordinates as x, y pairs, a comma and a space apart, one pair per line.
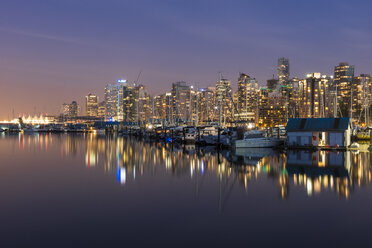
185, 123
234, 84
43, 52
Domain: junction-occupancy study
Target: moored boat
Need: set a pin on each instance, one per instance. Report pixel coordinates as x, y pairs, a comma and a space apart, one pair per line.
256, 139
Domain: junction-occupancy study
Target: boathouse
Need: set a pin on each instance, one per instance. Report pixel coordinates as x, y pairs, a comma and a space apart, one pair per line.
319, 132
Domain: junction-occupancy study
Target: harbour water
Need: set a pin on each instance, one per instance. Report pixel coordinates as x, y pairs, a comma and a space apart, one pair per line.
61, 190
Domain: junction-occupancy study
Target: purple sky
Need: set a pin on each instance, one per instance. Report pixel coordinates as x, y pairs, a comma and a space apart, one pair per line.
57, 51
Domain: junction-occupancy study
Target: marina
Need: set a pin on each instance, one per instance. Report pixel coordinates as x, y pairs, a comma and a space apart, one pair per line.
89, 178
185, 124
299, 133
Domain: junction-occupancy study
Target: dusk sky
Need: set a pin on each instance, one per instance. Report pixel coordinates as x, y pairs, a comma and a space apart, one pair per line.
58, 51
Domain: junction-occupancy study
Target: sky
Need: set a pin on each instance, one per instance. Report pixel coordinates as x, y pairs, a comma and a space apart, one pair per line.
54, 51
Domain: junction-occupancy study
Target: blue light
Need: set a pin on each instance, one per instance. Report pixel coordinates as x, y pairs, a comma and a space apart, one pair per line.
118, 176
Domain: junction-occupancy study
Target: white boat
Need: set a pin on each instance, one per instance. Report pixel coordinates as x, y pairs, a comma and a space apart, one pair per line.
29, 130
209, 135
355, 145
190, 135
256, 139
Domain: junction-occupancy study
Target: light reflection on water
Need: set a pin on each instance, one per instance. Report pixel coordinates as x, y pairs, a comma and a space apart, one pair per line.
97, 188
129, 158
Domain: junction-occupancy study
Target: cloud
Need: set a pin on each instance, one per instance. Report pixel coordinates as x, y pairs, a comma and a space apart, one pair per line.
49, 37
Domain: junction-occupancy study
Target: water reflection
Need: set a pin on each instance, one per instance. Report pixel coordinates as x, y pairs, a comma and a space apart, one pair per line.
128, 159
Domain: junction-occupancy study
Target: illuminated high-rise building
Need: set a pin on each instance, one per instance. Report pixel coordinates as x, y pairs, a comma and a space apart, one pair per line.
144, 105
159, 107
101, 109
362, 99
168, 108
247, 98
130, 105
114, 100
91, 105
291, 93
224, 101
181, 94
207, 107
195, 105
343, 79
70, 110
314, 96
271, 108
283, 70
136, 105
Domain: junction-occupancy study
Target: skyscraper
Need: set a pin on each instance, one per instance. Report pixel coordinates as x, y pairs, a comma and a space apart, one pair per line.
143, 104
91, 105
224, 101
101, 109
158, 111
247, 97
313, 103
207, 111
168, 108
343, 78
283, 70
136, 104
130, 105
70, 110
181, 102
114, 100
362, 98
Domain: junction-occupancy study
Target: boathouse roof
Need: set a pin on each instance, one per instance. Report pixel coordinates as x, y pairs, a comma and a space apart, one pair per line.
318, 124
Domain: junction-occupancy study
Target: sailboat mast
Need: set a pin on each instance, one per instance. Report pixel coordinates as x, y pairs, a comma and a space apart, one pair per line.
219, 100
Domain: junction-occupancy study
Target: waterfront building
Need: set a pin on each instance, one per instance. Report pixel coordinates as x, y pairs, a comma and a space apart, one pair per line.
91, 105
70, 109
362, 99
130, 105
291, 92
114, 100
277, 109
277, 103
101, 109
283, 70
168, 108
159, 107
264, 120
343, 79
207, 110
314, 91
181, 102
224, 101
319, 132
144, 105
137, 105
271, 108
330, 96
247, 98
194, 106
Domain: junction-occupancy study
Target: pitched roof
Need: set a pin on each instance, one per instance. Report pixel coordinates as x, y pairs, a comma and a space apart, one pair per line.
318, 124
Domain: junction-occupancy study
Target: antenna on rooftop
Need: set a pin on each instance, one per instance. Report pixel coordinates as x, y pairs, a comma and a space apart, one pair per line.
139, 74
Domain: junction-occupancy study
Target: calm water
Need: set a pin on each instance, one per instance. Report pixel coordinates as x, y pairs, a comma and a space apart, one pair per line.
90, 190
